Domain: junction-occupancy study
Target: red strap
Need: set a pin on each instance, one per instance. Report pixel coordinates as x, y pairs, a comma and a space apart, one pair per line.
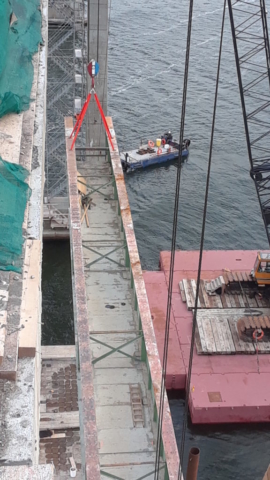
104, 120
82, 115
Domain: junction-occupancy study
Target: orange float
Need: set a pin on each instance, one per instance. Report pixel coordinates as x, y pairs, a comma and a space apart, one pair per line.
261, 334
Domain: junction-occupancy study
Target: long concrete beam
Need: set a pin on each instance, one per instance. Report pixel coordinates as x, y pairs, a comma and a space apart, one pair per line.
88, 428
153, 360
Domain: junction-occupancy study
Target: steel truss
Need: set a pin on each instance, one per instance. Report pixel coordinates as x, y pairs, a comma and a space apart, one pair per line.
251, 43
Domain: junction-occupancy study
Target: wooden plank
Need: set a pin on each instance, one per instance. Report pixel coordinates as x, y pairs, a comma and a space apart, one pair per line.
263, 347
198, 342
59, 421
58, 352
218, 339
42, 408
222, 324
265, 302
224, 301
194, 287
236, 301
235, 277
216, 301
72, 462
232, 300
189, 294
252, 302
240, 276
201, 334
182, 292
31, 301
205, 294
208, 335
240, 346
227, 332
230, 277
81, 183
228, 300
201, 296
259, 301
241, 301
245, 276
211, 301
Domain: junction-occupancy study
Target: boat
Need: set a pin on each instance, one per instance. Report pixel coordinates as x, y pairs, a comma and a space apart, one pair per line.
163, 151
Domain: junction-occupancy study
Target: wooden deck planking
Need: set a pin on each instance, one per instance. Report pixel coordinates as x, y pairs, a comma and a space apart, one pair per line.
263, 347
193, 284
189, 294
205, 294
241, 301
228, 300
252, 302
201, 334
198, 341
218, 333
209, 336
240, 346
182, 292
220, 346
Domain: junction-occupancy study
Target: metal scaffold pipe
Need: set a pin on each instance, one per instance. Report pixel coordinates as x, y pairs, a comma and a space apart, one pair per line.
193, 463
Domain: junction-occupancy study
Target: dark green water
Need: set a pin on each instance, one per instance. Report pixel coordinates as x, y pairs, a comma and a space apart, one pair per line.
228, 452
57, 311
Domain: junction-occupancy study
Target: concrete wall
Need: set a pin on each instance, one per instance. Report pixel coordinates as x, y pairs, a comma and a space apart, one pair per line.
22, 140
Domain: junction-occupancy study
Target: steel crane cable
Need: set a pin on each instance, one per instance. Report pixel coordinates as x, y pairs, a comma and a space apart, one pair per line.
106, 62
98, 29
184, 427
173, 244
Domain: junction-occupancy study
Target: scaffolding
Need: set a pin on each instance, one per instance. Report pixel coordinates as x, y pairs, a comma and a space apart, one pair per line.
66, 84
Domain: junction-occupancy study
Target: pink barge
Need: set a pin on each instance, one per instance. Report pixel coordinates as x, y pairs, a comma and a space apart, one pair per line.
230, 380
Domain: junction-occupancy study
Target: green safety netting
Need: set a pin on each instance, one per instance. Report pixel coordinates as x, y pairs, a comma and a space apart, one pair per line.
19, 40
14, 194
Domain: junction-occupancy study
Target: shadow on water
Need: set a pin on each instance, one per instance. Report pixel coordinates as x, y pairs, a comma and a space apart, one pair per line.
228, 452
57, 311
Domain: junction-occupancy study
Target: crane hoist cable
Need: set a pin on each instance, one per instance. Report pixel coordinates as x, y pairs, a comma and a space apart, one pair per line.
194, 321
106, 61
98, 32
173, 244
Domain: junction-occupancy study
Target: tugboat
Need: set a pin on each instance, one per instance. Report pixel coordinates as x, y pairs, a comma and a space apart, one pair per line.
164, 150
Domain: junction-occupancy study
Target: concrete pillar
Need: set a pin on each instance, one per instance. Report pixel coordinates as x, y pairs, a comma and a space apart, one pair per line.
97, 45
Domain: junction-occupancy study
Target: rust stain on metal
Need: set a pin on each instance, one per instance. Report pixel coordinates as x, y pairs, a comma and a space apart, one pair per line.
168, 437
214, 396
89, 438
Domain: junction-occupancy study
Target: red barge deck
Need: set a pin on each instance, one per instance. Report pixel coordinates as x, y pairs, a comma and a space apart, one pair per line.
224, 388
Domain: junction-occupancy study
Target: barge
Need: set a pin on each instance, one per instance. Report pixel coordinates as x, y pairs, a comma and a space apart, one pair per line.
230, 373
164, 150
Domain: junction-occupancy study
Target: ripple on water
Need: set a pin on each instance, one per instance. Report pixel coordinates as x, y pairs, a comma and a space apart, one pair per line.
145, 95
